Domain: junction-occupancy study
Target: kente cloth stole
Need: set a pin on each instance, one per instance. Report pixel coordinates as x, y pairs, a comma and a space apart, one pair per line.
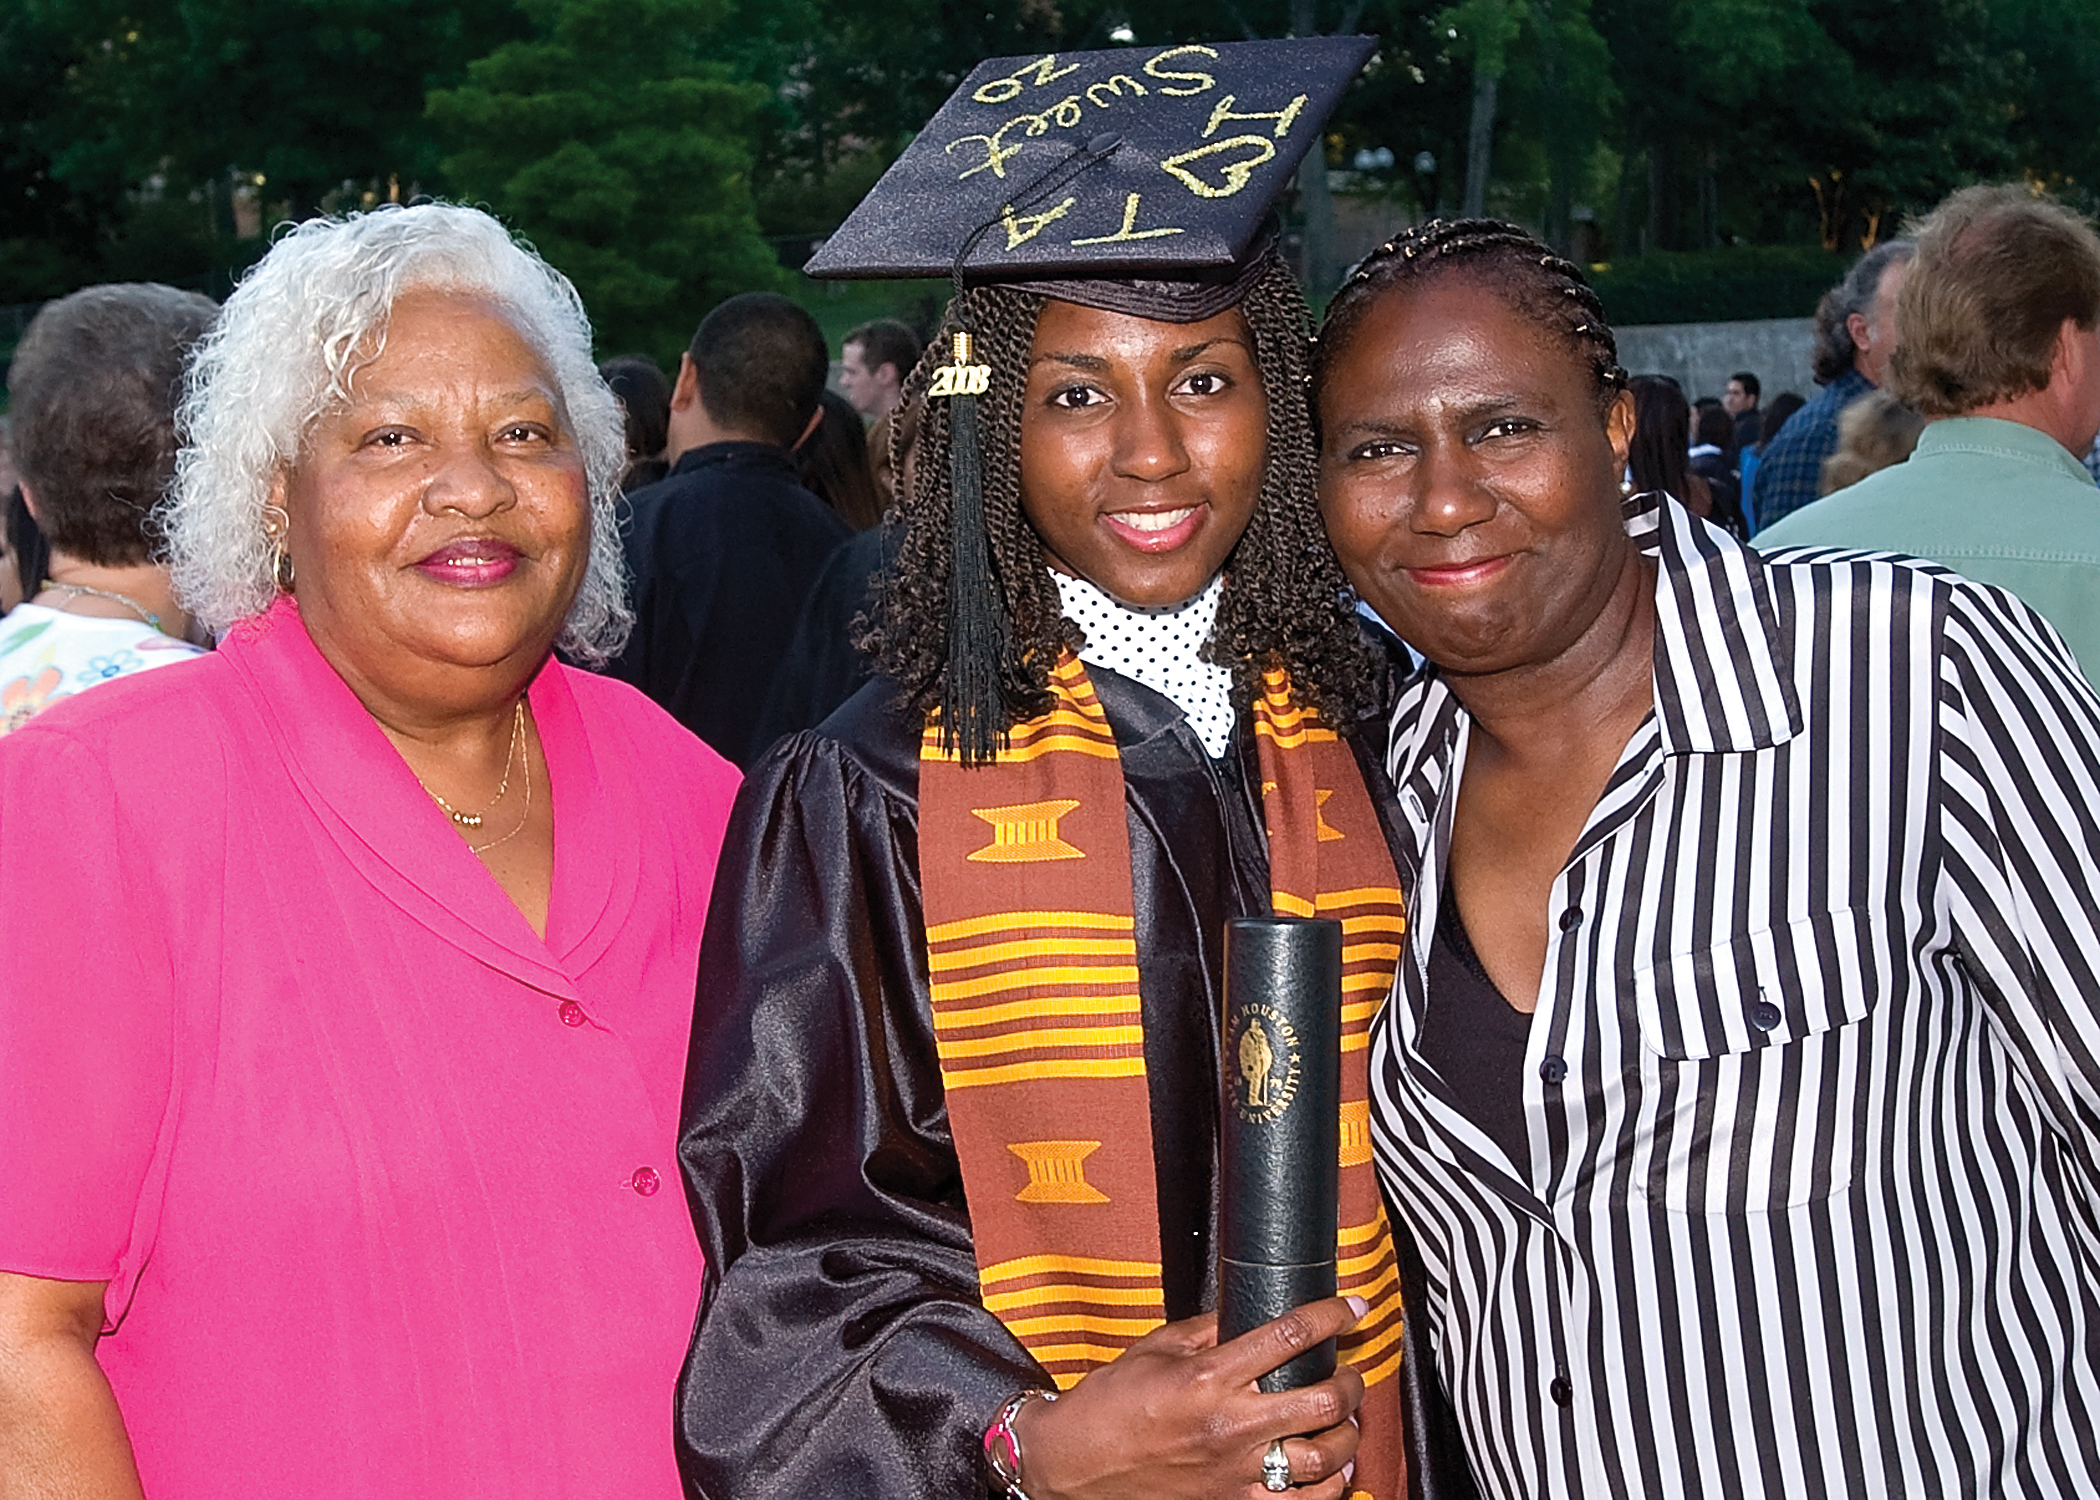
1031, 951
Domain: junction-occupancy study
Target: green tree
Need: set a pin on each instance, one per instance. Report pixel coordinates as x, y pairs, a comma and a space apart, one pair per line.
618, 143
132, 122
2052, 48
1772, 120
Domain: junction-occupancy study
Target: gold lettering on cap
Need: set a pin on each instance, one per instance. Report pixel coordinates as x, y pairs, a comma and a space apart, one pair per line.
1115, 87
1283, 117
1045, 69
997, 153
1025, 833
1022, 228
1128, 231
1057, 1172
1203, 81
1236, 172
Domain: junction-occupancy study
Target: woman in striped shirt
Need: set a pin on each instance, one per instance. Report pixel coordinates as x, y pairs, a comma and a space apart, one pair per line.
1742, 1083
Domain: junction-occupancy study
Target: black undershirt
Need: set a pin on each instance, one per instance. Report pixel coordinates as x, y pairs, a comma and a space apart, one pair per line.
1474, 1038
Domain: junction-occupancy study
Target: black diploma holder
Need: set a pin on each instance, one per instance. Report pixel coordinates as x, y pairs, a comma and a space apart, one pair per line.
1280, 1128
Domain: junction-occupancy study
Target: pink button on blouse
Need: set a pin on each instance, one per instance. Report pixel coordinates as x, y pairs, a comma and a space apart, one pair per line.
361, 1158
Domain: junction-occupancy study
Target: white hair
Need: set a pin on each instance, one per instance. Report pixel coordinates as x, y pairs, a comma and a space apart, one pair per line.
283, 352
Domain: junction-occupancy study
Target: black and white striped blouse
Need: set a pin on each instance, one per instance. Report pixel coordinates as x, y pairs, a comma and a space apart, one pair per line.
1812, 1200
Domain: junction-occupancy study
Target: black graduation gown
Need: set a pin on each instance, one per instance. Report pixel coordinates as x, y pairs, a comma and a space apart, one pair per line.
841, 1348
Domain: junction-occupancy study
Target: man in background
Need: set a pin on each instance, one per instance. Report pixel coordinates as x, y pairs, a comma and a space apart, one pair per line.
1740, 400
2001, 353
1855, 334
872, 365
724, 548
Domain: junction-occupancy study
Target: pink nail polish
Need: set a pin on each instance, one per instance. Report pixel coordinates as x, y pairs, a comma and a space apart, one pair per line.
1357, 1305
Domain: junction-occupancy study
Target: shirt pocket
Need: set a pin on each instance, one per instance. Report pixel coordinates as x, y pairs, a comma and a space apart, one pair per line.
1762, 989
1743, 1045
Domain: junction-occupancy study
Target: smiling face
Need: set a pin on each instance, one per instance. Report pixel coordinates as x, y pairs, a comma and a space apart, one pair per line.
1142, 447
440, 522
1466, 479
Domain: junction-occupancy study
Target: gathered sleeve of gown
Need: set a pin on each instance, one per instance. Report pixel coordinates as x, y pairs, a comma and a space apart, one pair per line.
841, 1348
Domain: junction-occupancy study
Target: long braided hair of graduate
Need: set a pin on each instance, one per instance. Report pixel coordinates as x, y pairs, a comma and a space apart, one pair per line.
1546, 288
1285, 600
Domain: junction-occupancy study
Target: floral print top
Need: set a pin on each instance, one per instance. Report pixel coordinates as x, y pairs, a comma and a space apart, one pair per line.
46, 655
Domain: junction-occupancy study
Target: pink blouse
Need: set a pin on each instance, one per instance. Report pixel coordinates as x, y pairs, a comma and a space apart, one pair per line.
384, 1186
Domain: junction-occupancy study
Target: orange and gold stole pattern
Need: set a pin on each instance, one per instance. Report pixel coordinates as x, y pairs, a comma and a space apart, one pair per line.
1032, 956
1031, 948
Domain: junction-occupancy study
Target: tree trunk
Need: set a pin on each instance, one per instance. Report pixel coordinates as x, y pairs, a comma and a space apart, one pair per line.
1480, 143
1659, 195
1710, 199
1624, 236
1316, 201
1317, 265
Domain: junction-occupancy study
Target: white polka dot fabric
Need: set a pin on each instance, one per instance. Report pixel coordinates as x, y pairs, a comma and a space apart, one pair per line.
1160, 648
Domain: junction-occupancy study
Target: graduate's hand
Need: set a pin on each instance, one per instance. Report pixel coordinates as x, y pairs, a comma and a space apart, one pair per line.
1178, 1417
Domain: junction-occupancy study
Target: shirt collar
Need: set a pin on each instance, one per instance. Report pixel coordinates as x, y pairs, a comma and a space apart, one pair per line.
2000, 438
385, 823
1161, 648
1719, 638
1849, 386
734, 451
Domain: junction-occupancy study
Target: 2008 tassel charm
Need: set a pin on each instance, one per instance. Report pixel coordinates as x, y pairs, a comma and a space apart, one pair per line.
960, 378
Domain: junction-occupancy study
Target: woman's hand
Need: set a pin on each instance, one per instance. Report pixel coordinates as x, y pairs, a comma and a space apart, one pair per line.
1178, 1417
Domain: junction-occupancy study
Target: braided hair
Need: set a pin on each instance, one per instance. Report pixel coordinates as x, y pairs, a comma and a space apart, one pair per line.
1544, 288
1285, 601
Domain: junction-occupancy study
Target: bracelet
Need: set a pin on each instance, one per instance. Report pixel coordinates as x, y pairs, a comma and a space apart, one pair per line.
1002, 1449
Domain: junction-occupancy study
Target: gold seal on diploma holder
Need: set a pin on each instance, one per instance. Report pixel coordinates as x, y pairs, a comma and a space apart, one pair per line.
1266, 1051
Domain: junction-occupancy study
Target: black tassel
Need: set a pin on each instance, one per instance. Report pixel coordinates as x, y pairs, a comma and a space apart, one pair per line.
975, 713
973, 702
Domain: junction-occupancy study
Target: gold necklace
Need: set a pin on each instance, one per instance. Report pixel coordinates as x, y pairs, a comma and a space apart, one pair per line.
526, 750
472, 820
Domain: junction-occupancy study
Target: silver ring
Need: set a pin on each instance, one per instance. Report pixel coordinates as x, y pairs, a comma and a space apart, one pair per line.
1275, 1469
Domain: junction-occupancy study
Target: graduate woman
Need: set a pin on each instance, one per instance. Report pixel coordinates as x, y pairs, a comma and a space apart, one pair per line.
951, 1115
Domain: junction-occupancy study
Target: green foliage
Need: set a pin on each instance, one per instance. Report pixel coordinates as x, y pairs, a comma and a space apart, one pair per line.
645, 146
1486, 32
132, 122
1717, 286
618, 145
1824, 120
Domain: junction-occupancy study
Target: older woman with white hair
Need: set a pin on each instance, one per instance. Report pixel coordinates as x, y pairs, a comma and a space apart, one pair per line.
338, 1112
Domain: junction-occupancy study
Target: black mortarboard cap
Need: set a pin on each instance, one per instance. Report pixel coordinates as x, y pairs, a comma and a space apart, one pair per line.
1132, 164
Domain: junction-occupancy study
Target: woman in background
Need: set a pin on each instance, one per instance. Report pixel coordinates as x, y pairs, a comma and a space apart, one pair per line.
645, 403
833, 462
94, 384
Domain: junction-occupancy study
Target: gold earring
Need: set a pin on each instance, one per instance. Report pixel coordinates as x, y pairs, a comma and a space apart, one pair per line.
276, 523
